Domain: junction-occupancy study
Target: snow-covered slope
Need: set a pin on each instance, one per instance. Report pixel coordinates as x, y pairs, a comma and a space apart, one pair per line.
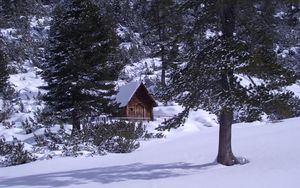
27, 85
185, 159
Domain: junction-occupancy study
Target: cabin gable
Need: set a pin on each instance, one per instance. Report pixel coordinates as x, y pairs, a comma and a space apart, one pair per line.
139, 106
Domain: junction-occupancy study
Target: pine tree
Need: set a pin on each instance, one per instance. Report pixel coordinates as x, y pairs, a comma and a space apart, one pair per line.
80, 69
163, 24
214, 66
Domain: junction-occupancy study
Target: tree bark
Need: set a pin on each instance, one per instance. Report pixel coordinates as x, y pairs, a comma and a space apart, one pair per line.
225, 154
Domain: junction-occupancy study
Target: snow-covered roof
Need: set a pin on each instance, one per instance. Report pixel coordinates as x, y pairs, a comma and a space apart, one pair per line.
126, 92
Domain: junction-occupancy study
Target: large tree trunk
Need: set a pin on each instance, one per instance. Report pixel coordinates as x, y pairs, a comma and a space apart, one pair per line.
225, 155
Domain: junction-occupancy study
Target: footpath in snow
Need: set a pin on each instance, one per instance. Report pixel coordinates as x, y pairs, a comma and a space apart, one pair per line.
185, 159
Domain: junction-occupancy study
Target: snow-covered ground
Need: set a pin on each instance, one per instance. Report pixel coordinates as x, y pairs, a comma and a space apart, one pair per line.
184, 159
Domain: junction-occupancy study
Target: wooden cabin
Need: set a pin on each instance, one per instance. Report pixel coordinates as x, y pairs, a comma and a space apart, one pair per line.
135, 101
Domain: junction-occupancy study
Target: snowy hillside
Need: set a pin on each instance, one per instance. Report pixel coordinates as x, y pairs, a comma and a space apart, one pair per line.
182, 160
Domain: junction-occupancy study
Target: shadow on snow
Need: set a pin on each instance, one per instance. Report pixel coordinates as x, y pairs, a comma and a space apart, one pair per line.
106, 175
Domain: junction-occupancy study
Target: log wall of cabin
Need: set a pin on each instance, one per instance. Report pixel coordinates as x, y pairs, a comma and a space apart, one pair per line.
138, 109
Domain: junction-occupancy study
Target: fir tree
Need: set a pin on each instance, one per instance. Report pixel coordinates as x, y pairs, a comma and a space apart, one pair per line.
163, 24
214, 66
80, 70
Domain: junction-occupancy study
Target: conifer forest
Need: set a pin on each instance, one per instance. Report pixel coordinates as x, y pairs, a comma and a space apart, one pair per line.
201, 63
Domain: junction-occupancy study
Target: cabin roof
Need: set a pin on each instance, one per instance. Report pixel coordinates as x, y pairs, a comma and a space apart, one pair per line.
127, 91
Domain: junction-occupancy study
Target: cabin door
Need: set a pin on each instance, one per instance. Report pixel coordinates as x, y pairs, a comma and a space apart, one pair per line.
139, 110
